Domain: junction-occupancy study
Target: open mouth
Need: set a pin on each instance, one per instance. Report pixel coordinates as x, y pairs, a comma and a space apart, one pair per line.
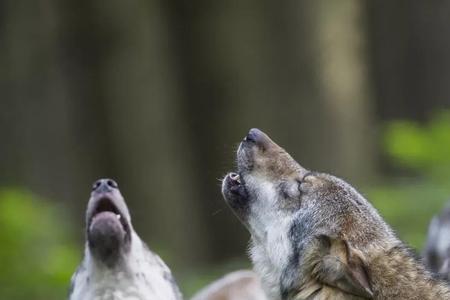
235, 193
234, 182
234, 187
106, 209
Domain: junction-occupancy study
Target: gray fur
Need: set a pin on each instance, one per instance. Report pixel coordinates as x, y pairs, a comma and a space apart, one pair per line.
437, 249
313, 236
117, 265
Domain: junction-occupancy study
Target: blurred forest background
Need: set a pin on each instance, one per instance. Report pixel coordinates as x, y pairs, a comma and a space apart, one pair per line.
157, 94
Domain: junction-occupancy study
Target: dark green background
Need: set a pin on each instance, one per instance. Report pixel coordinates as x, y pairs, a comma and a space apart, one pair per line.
157, 94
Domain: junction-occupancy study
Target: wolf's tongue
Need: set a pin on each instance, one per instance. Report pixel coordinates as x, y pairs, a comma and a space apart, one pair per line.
105, 216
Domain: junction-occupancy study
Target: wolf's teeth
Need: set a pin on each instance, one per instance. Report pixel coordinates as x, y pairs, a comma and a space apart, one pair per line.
118, 217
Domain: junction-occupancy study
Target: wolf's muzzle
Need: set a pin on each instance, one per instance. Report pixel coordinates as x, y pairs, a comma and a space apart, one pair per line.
235, 194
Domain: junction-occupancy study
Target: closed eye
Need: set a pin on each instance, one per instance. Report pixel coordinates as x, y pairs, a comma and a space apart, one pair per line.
303, 183
285, 193
299, 183
290, 189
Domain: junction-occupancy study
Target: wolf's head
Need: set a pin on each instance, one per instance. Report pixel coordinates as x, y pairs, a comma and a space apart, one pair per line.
298, 218
108, 222
117, 263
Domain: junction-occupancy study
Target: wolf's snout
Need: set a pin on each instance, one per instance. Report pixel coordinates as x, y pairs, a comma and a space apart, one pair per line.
235, 194
253, 135
257, 137
104, 185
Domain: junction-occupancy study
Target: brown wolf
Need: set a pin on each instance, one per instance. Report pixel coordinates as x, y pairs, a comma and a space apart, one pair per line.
313, 236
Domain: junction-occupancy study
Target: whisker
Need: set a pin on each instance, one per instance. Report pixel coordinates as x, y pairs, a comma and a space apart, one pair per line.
216, 212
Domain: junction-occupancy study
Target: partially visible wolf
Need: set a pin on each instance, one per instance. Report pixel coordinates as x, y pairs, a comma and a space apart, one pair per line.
437, 249
313, 236
238, 285
117, 265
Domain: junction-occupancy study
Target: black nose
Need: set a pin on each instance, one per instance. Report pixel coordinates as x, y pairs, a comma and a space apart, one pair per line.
259, 138
104, 185
253, 135
256, 136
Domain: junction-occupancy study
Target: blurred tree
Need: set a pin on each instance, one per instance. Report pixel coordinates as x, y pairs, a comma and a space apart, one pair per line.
424, 151
341, 37
409, 50
157, 93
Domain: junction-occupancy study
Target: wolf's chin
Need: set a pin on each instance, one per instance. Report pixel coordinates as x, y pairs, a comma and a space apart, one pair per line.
236, 195
107, 238
108, 231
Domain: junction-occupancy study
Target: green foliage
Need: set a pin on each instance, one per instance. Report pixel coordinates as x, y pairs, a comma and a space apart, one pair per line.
37, 256
408, 205
422, 148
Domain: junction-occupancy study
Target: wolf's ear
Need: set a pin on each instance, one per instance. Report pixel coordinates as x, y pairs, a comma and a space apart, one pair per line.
342, 267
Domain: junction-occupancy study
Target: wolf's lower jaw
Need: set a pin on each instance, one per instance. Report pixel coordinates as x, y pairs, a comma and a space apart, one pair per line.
142, 276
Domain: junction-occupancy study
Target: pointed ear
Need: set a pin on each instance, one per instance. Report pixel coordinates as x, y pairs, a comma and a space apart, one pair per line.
342, 267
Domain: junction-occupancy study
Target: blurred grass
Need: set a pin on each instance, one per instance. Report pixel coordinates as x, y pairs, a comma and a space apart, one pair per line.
408, 208
424, 151
38, 253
